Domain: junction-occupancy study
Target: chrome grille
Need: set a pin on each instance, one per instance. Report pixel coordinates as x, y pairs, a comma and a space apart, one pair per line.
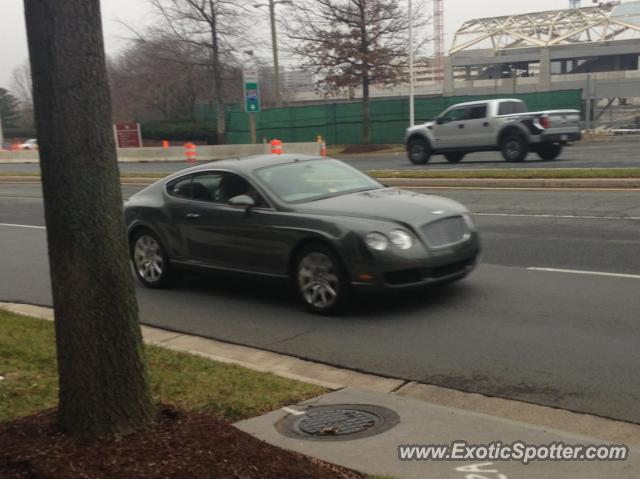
445, 231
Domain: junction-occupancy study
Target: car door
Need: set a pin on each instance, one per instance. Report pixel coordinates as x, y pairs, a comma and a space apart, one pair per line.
449, 128
479, 130
232, 237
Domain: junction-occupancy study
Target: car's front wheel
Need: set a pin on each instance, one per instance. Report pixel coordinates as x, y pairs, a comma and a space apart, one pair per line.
150, 260
419, 151
549, 152
320, 280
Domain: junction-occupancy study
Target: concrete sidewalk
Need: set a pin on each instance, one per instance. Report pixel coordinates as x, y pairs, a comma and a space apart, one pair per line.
427, 415
429, 424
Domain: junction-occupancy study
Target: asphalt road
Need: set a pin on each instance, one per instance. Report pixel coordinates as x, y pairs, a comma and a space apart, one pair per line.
562, 339
618, 154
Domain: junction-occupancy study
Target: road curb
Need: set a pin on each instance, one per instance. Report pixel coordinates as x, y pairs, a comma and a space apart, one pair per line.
469, 183
334, 378
533, 183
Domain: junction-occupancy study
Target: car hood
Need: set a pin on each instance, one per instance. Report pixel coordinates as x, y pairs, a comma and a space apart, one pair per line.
387, 204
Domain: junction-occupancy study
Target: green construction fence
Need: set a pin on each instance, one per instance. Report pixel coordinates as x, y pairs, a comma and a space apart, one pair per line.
341, 123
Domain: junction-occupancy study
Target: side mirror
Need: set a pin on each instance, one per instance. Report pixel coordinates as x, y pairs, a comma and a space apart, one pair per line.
441, 120
244, 201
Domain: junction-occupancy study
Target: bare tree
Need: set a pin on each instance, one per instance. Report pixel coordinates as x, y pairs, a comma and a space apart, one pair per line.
217, 26
103, 387
354, 44
158, 76
22, 86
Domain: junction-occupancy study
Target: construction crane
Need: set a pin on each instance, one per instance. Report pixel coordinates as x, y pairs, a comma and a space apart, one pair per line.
574, 3
438, 40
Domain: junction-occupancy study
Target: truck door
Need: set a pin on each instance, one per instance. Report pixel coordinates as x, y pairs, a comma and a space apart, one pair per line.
479, 130
449, 130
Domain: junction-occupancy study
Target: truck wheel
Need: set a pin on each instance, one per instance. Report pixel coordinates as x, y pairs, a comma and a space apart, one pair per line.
419, 151
454, 157
514, 148
549, 152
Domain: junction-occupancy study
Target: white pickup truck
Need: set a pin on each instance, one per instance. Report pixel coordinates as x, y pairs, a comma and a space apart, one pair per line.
494, 125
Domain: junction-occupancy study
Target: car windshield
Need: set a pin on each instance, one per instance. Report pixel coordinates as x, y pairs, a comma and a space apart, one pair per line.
313, 180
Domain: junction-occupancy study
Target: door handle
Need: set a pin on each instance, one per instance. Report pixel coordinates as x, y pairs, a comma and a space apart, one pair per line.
193, 215
460, 125
486, 123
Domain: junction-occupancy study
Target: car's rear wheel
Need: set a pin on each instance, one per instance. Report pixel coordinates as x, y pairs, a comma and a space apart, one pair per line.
549, 152
150, 260
454, 157
419, 151
514, 147
320, 280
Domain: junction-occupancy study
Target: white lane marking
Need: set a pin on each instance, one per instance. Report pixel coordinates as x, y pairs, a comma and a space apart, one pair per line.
39, 198
513, 188
295, 412
577, 217
24, 226
592, 273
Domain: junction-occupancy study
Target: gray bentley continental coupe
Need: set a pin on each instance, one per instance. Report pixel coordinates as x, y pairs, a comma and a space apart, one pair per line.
326, 226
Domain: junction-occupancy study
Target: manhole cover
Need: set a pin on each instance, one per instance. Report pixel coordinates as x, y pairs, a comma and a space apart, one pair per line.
339, 422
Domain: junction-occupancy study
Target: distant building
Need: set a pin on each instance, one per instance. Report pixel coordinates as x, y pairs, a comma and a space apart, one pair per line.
553, 50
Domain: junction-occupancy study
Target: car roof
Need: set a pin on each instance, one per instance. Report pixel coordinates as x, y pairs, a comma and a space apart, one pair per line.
482, 102
249, 163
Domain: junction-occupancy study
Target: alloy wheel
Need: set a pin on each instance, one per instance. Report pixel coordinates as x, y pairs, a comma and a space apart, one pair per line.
318, 280
148, 260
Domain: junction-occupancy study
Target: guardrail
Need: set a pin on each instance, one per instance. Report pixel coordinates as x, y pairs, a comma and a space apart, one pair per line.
176, 153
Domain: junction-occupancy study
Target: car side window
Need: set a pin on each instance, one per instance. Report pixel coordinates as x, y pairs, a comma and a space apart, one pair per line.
457, 114
180, 187
478, 112
217, 187
511, 107
232, 185
206, 185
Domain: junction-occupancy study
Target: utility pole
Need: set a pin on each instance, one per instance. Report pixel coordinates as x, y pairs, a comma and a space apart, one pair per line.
1, 134
412, 114
274, 46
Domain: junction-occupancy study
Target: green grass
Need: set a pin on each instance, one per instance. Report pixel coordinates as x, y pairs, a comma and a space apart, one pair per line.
514, 174
28, 365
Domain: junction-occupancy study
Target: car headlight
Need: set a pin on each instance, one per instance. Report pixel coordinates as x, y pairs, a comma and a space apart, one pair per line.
401, 239
377, 241
468, 219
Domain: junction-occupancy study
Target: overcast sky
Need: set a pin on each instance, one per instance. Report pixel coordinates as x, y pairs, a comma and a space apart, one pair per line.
13, 43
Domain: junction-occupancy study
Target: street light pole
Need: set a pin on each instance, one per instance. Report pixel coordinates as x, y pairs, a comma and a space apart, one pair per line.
412, 115
274, 43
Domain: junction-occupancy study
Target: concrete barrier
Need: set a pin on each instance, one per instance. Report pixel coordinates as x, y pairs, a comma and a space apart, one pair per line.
176, 153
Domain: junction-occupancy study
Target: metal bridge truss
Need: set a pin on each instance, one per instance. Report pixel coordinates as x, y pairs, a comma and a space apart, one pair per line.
547, 29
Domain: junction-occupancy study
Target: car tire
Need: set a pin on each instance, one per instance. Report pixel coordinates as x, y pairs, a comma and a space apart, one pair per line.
514, 148
320, 280
549, 152
150, 261
454, 157
419, 151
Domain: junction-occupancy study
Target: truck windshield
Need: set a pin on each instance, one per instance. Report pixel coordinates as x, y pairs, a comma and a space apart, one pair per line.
512, 107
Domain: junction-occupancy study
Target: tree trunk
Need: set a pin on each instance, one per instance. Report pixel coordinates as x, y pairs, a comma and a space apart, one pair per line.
103, 387
221, 118
366, 116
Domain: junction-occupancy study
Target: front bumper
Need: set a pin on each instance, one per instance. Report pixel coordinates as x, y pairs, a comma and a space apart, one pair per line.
430, 268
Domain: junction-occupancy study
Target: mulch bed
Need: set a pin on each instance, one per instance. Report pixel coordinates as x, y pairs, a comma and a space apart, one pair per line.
352, 149
179, 445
